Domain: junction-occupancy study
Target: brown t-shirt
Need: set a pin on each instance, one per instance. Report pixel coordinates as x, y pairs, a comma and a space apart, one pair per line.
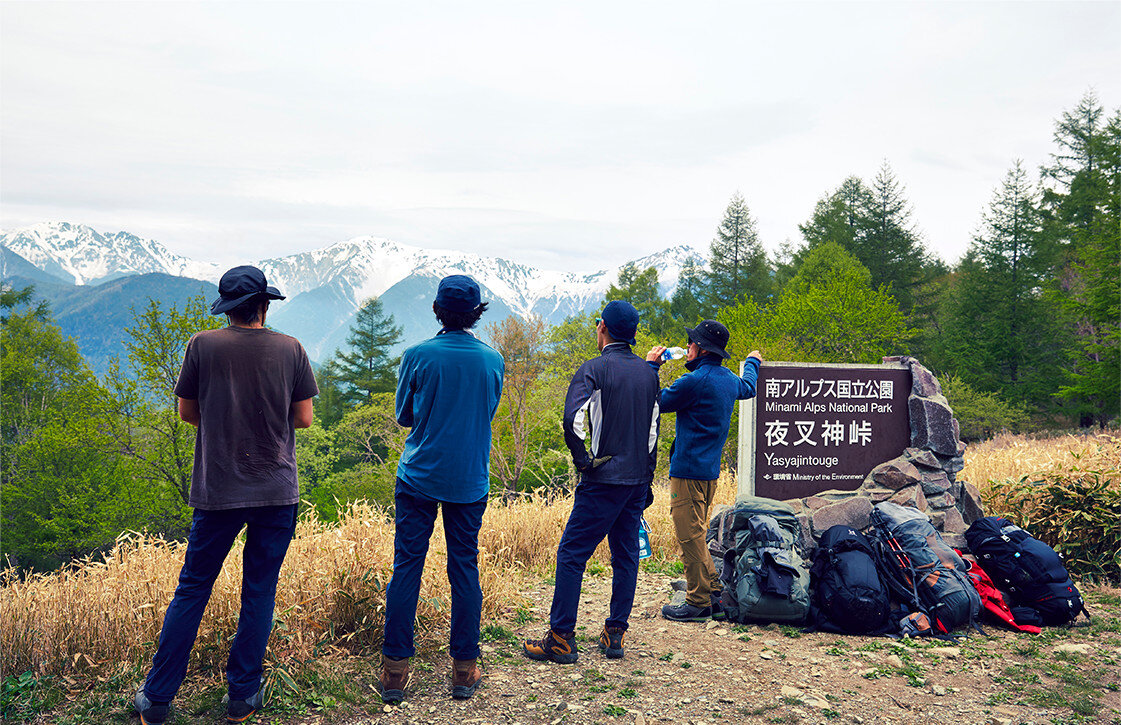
245, 381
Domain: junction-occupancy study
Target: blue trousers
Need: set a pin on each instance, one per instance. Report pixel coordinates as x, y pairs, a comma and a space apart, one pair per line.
600, 509
268, 532
415, 517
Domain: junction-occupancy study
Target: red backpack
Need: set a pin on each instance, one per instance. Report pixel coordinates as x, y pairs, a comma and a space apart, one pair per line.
992, 600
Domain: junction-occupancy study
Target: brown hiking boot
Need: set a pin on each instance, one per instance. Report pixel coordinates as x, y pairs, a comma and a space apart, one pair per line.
394, 679
556, 646
466, 677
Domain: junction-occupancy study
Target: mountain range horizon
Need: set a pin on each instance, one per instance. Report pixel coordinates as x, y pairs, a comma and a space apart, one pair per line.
72, 266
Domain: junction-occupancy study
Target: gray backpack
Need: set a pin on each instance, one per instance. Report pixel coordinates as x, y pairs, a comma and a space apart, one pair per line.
765, 577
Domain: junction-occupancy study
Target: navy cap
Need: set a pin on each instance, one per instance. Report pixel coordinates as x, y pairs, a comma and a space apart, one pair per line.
710, 335
458, 293
621, 319
239, 285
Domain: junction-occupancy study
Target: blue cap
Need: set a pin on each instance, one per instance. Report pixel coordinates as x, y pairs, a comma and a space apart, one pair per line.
458, 293
621, 319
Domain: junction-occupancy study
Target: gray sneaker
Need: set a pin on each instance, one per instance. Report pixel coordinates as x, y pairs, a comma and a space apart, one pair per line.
686, 612
150, 713
242, 710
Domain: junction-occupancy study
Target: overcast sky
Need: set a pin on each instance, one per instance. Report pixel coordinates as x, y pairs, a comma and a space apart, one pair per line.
567, 135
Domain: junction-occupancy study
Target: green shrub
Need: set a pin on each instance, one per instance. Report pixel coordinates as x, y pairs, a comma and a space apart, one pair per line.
1077, 513
981, 415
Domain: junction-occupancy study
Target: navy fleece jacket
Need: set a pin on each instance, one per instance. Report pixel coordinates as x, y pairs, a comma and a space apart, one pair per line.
703, 400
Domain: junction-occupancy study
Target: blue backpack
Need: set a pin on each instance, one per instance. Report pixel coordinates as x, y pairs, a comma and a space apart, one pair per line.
1029, 570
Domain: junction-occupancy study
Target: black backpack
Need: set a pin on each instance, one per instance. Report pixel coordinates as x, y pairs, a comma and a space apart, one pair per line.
848, 595
1029, 570
921, 571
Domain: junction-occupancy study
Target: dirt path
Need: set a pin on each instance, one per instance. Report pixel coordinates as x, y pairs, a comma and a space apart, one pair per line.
715, 673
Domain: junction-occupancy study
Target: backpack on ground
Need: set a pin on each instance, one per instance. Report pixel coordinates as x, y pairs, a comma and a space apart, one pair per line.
848, 596
720, 537
1030, 571
766, 579
992, 601
921, 571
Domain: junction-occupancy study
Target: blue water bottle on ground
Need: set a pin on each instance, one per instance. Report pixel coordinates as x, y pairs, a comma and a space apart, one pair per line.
644, 550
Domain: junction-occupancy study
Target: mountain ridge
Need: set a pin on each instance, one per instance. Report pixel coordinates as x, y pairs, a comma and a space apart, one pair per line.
325, 287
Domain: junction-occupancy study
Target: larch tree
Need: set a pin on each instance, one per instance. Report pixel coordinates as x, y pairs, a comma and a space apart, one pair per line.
738, 266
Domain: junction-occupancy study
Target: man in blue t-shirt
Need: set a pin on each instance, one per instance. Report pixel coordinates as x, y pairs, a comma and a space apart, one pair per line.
703, 399
448, 390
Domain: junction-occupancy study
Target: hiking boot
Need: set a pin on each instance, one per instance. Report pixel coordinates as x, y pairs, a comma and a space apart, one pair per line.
717, 607
611, 642
150, 712
556, 646
242, 710
686, 612
394, 679
466, 677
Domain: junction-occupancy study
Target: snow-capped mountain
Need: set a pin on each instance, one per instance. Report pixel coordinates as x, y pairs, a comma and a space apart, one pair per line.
325, 287
368, 266
81, 255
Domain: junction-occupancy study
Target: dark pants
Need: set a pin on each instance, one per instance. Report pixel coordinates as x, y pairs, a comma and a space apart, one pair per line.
268, 531
601, 509
415, 517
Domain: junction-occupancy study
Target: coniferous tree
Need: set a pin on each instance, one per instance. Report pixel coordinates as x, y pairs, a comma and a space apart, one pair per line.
641, 289
738, 266
890, 247
1082, 203
368, 366
841, 217
1002, 333
686, 304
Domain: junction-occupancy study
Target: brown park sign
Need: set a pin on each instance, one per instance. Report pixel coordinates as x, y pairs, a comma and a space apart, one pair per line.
815, 427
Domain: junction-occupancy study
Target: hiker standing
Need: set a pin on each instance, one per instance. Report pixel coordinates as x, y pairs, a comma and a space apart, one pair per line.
246, 388
448, 390
703, 399
619, 393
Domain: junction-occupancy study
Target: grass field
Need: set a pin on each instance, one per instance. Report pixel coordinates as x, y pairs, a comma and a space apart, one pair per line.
102, 617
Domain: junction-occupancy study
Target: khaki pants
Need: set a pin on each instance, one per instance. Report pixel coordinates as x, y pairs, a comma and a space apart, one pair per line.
690, 502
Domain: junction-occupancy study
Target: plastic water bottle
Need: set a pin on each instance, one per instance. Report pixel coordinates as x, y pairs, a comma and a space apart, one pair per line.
645, 551
673, 353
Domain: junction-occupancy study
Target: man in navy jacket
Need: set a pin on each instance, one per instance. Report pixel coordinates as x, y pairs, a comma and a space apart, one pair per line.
703, 399
618, 393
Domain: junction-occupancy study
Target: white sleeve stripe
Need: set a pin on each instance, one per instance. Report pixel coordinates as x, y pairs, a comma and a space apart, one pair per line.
654, 427
578, 420
595, 416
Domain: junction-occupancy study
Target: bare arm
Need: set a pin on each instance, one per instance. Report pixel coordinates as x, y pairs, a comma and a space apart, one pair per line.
302, 413
189, 411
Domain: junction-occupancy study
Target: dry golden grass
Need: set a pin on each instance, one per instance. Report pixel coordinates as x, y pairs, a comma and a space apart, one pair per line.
997, 465
331, 593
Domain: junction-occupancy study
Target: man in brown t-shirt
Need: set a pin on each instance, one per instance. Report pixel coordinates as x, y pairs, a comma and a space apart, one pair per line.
246, 388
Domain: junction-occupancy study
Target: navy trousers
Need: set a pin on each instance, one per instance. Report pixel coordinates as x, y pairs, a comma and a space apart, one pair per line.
600, 509
268, 532
415, 518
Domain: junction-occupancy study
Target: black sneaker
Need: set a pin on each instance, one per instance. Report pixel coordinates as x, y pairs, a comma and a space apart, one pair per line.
611, 642
555, 646
717, 607
242, 710
686, 612
150, 712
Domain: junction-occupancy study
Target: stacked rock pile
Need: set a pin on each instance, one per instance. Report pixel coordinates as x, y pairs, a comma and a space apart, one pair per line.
924, 476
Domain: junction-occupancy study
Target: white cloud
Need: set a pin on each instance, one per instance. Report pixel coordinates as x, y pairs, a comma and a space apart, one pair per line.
557, 131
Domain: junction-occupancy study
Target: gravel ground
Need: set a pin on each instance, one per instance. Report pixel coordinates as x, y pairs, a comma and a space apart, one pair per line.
715, 673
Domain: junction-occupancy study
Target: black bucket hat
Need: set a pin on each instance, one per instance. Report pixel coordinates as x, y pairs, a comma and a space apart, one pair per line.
239, 285
711, 336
